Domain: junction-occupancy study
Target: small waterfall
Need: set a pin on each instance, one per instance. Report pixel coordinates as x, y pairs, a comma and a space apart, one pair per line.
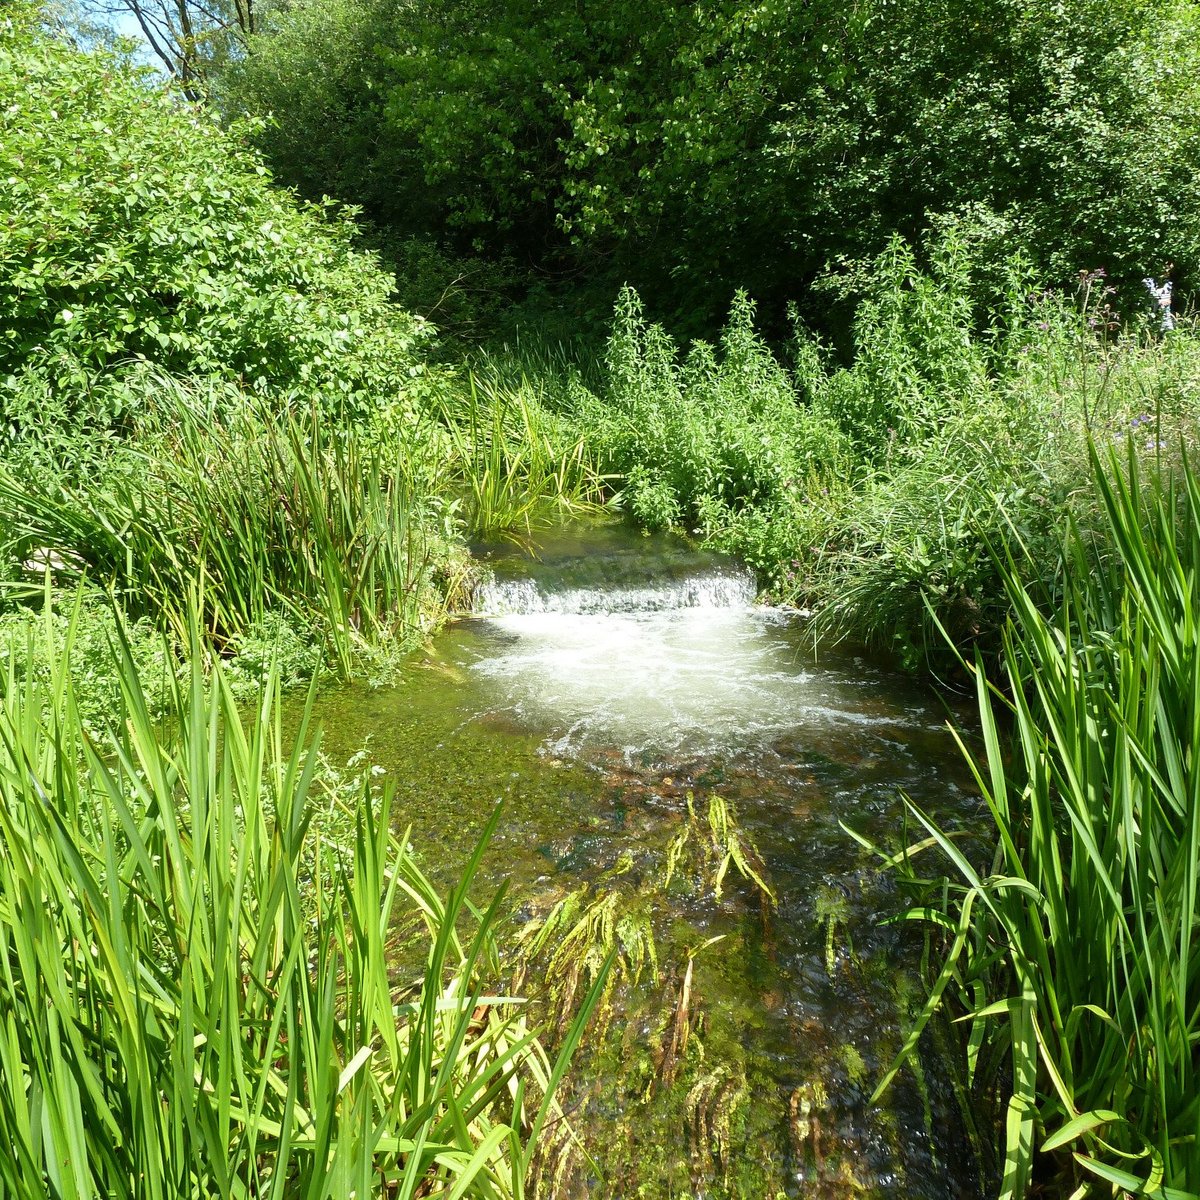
714, 587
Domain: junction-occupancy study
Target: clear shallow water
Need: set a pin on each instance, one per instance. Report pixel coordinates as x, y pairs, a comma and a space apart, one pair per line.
596, 717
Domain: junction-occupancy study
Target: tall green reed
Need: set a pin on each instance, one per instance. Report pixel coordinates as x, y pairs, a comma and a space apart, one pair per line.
512, 461
259, 510
1075, 953
200, 989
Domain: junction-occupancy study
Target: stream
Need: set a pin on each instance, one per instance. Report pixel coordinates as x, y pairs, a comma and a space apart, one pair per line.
676, 764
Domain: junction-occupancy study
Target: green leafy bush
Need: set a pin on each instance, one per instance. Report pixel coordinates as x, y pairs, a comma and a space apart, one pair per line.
34, 641
133, 227
715, 434
968, 440
917, 361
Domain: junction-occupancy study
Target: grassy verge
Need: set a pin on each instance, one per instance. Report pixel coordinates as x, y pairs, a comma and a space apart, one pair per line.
333, 538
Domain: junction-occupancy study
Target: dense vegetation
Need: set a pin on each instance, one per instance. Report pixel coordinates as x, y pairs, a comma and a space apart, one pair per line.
1083, 928
691, 149
217, 442
233, 459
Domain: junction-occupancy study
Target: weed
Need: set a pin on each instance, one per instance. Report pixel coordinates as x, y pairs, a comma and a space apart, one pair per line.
199, 991
1073, 953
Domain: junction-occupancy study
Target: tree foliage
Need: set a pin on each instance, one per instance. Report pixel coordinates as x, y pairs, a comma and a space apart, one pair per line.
188, 37
680, 146
134, 228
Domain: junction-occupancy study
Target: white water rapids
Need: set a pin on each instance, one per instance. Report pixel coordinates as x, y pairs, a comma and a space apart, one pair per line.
679, 661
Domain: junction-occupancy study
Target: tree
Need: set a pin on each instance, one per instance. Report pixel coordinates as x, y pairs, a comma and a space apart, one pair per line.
189, 37
692, 148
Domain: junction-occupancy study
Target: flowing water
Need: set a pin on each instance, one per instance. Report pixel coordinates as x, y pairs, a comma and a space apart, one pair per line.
624, 696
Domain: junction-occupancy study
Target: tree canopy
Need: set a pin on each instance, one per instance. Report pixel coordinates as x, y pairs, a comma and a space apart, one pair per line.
693, 148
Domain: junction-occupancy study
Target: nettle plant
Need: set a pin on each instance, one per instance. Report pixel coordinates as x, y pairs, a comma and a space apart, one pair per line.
708, 435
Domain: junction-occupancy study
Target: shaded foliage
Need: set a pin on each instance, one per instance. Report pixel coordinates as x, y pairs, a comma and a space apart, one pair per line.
692, 149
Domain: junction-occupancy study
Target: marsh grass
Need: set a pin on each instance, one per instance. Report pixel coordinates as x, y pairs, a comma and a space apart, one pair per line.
199, 989
970, 440
513, 461
1075, 953
255, 511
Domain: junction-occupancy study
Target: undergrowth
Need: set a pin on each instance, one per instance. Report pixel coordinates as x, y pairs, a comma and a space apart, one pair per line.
869, 493
198, 979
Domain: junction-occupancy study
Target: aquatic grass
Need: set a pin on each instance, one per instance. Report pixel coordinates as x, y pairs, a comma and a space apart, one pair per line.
259, 511
1075, 954
590, 931
199, 991
512, 460
671, 1104
714, 843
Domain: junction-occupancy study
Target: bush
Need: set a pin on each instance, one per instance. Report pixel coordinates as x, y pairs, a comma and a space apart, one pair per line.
971, 443
132, 227
917, 361
706, 438
33, 643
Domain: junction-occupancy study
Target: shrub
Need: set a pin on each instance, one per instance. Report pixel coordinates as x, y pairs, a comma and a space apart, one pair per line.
713, 435
33, 642
133, 227
968, 441
916, 360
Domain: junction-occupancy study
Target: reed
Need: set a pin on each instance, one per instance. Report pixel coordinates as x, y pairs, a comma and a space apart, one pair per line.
513, 462
200, 990
253, 510
1075, 953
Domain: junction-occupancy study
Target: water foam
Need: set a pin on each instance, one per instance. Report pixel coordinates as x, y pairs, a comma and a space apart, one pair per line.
650, 649
717, 588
